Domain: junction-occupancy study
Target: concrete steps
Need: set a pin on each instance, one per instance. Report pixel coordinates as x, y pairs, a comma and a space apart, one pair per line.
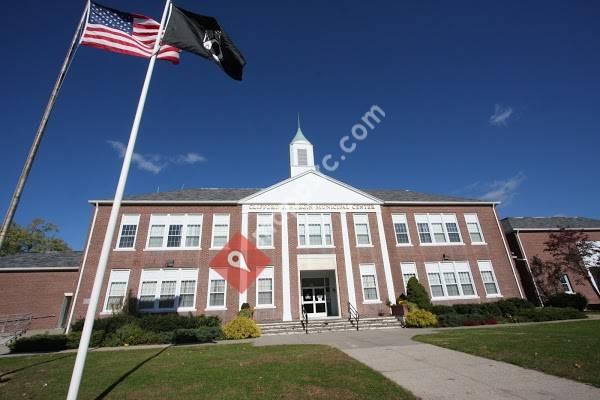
327, 325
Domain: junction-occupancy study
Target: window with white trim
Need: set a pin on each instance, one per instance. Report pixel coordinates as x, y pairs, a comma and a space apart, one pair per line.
409, 270
401, 229
220, 231
474, 228
116, 290
264, 230
217, 290
174, 231
128, 231
264, 288
440, 229
368, 278
314, 230
167, 289
566, 284
361, 229
450, 280
490, 283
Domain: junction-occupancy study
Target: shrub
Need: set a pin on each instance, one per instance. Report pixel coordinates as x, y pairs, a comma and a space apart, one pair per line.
37, 343
441, 309
241, 328
416, 293
201, 335
245, 306
451, 319
246, 312
577, 301
420, 319
131, 334
548, 314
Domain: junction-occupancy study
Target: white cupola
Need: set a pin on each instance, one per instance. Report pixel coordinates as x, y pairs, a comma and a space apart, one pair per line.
302, 156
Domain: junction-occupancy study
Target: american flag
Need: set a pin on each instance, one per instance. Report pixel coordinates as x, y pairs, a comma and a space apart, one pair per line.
121, 32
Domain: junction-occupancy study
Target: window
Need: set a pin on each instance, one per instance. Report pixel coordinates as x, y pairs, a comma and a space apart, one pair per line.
474, 228
264, 288
174, 231
129, 224
314, 230
368, 278
264, 230
216, 290
401, 229
450, 279
361, 228
438, 229
116, 290
409, 270
566, 283
302, 157
489, 278
171, 289
220, 234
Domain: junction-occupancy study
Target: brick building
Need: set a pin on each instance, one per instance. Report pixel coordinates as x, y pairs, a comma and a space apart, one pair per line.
40, 284
330, 245
527, 236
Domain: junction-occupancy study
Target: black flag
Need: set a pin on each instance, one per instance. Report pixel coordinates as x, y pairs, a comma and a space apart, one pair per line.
203, 35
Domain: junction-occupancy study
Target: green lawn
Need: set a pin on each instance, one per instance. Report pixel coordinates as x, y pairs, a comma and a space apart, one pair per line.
568, 349
201, 372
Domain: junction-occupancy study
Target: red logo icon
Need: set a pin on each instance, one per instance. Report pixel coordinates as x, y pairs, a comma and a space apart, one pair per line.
239, 262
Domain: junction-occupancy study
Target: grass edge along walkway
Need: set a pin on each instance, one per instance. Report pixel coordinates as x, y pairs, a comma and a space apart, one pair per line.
569, 349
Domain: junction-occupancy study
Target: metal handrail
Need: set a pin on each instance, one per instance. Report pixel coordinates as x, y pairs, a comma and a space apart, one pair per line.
304, 319
353, 314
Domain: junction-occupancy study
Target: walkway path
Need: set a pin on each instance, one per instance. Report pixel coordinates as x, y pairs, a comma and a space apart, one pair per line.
433, 372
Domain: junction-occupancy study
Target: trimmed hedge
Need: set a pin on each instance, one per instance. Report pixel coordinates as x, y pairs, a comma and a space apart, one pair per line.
204, 334
548, 314
38, 343
150, 322
576, 300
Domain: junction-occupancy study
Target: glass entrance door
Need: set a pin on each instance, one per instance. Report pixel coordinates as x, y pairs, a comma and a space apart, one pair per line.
314, 301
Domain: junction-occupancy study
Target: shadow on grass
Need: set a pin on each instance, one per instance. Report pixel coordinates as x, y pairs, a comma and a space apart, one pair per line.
34, 365
109, 389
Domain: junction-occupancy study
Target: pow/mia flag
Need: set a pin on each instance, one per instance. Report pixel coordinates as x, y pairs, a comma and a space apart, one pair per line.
203, 35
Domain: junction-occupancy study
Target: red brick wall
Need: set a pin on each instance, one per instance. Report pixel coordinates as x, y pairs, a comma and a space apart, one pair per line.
38, 292
534, 245
493, 251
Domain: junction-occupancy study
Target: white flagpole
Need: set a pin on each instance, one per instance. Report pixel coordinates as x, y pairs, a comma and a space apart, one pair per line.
112, 223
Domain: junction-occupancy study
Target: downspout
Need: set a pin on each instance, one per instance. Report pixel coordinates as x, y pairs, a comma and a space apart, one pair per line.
85, 254
537, 291
510, 260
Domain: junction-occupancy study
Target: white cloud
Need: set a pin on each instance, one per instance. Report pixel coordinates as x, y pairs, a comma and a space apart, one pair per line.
155, 163
503, 190
501, 115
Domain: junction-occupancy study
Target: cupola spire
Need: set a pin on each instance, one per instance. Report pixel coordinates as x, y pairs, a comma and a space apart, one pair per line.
301, 153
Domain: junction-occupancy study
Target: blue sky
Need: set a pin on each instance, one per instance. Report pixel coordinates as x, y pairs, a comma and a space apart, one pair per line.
487, 99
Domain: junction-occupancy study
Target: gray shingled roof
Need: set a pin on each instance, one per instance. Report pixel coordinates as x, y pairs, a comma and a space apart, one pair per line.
524, 223
234, 195
52, 260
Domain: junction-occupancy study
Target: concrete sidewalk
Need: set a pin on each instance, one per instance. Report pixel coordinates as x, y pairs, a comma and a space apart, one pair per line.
432, 372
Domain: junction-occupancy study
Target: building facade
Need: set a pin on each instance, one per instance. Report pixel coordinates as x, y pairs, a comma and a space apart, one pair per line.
527, 237
330, 245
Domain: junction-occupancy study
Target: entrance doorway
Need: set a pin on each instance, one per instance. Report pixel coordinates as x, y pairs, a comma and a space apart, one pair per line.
318, 293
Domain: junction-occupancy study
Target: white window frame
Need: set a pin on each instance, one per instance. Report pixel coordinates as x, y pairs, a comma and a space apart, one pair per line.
266, 273
486, 266
474, 219
116, 276
325, 219
438, 218
160, 275
214, 223
408, 268
128, 219
269, 224
567, 282
368, 270
166, 220
454, 267
214, 275
401, 219
362, 219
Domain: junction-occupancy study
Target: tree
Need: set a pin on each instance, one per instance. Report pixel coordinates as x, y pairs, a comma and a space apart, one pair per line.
416, 293
571, 252
37, 237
